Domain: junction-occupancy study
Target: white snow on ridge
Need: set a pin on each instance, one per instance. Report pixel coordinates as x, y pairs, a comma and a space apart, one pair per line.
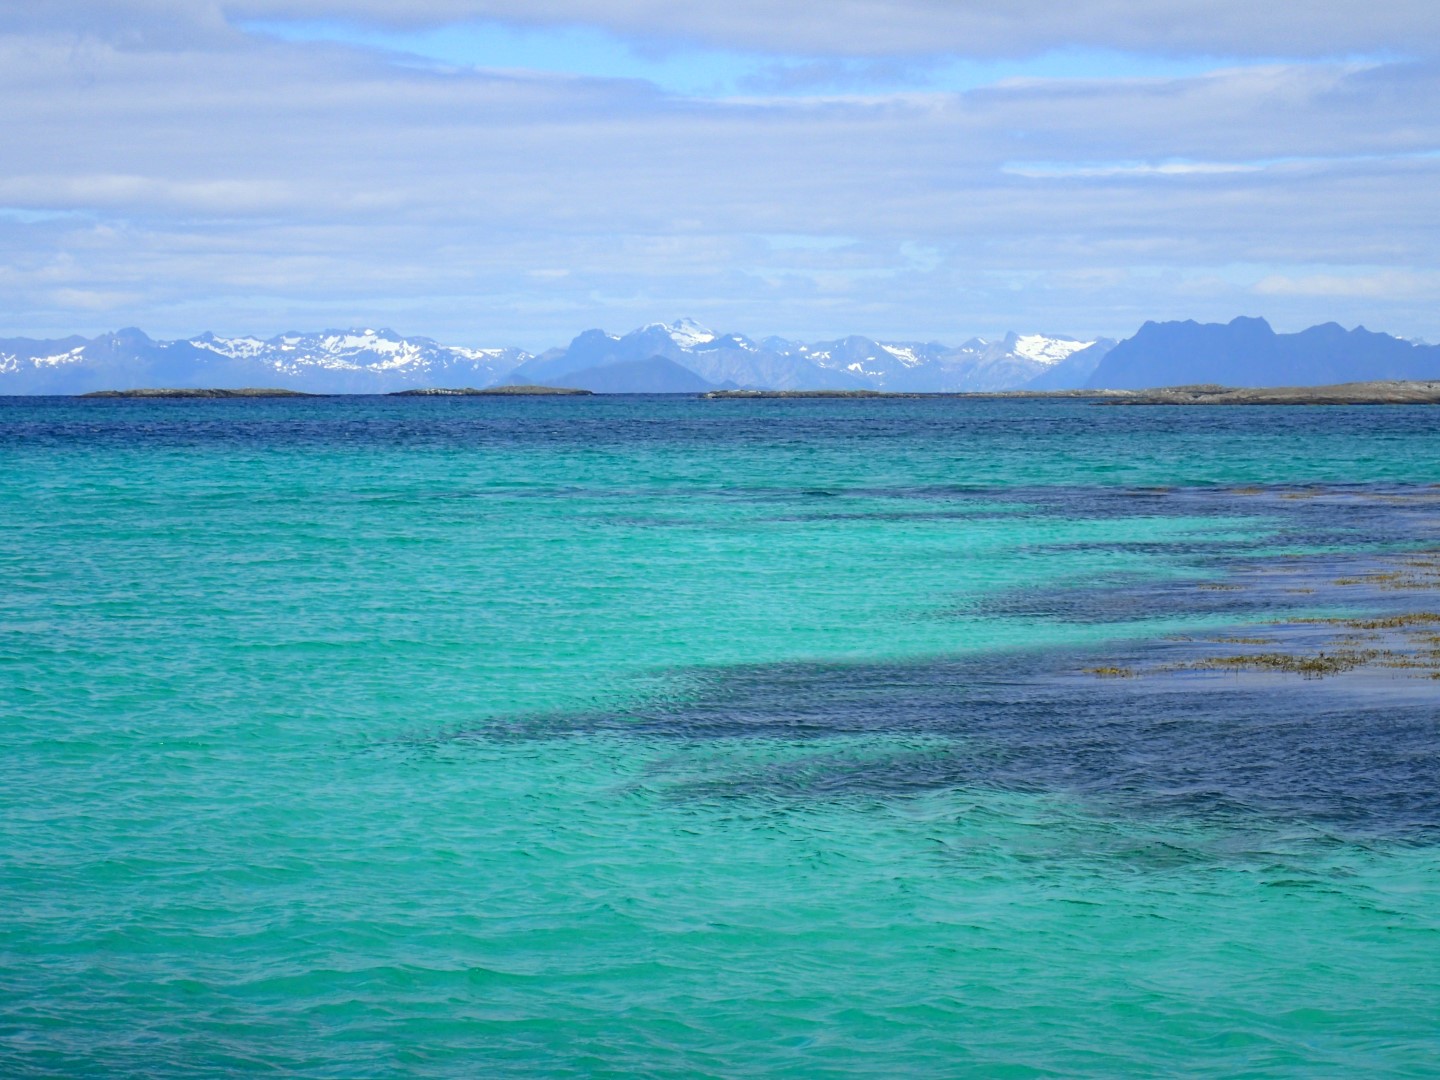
10, 363
686, 333
481, 354
1044, 350
369, 341
74, 356
356, 350
904, 353
235, 348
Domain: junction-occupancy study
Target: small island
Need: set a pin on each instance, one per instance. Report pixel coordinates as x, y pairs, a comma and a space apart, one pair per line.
1378, 392
190, 392
814, 394
503, 391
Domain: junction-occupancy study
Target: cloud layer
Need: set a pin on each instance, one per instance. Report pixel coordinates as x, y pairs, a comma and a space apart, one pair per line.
161, 167
1280, 28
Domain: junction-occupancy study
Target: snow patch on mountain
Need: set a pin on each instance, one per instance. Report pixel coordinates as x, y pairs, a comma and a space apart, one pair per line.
1047, 350
241, 348
481, 354
13, 362
74, 356
686, 333
904, 353
367, 351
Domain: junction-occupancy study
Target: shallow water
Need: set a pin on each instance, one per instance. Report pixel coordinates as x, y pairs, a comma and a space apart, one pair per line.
647, 736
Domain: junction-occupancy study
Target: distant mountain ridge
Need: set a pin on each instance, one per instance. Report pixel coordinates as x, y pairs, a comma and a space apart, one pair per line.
851, 363
327, 362
678, 357
685, 357
1247, 352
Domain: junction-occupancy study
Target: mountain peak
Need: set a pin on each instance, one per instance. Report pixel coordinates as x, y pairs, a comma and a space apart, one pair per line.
1252, 323
685, 332
1046, 350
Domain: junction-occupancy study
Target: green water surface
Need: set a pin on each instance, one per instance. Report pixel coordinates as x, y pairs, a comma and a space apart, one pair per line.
255, 816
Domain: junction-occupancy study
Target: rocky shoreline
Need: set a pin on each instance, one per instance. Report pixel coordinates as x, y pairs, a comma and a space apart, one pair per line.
1378, 392
869, 394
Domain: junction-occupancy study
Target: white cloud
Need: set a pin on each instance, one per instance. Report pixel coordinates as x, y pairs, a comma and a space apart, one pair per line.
249, 185
1369, 285
1043, 170
98, 300
130, 192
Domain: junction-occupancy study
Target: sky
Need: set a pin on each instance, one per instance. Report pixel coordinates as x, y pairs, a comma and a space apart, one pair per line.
512, 172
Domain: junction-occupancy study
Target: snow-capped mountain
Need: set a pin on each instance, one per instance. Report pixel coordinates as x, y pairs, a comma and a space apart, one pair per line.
686, 333
1047, 350
977, 365
685, 357
850, 363
681, 356
331, 361
367, 358
719, 359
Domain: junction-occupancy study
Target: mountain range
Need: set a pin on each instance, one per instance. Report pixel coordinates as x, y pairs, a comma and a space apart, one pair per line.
684, 357
329, 362
680, 357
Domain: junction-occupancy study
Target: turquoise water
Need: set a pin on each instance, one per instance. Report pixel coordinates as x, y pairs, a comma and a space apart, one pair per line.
668, 737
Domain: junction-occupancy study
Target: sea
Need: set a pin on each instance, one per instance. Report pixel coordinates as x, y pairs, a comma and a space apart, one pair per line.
627, 736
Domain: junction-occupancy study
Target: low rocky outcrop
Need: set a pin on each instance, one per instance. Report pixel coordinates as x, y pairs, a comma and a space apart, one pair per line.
193, 392
813, 394
492, 391
1381, 392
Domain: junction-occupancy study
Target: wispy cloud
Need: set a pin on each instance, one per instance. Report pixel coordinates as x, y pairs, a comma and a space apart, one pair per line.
1060, 170
1376, 283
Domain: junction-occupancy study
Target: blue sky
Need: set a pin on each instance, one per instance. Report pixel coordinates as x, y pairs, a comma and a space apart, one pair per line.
490, 172
698, 70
